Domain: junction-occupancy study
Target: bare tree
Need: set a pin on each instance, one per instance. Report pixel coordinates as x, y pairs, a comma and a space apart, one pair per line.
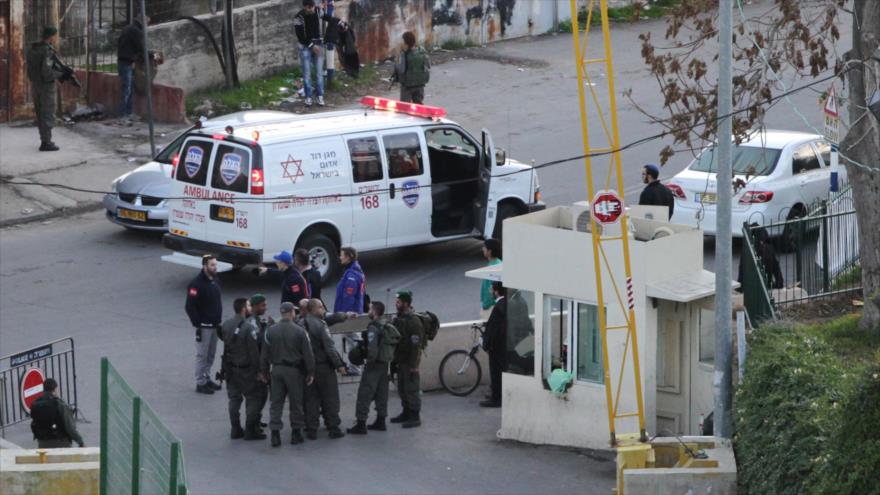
791, 40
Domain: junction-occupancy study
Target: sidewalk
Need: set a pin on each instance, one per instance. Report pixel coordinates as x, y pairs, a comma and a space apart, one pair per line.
92, 155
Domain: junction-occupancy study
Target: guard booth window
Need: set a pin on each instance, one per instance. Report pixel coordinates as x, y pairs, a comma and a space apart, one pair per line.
520, 332
572, 340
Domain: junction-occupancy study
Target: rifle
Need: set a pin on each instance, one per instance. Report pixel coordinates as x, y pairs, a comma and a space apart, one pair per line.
67, 72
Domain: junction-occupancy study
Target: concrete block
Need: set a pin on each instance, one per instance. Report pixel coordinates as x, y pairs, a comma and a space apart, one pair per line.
664, 479
64, 471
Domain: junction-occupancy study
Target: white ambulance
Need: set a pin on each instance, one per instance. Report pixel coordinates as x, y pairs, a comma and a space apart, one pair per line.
392, 174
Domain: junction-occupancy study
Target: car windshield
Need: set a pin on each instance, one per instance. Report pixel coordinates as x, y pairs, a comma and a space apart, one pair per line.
168, 152
747, 160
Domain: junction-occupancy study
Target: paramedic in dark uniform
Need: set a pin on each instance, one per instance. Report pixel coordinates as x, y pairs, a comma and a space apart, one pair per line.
204, 307
293, 285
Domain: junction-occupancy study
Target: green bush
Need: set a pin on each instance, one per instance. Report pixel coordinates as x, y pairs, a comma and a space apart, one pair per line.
808, 411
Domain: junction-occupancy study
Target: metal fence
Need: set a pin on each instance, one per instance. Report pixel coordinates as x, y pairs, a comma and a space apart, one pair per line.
815, 257
55, 359
138, 453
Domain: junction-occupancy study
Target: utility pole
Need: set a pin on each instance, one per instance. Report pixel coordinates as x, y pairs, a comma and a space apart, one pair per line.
723, 236
148, 69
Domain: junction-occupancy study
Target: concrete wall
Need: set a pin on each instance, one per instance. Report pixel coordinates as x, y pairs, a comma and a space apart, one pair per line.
104, 88
265, 38
531, 413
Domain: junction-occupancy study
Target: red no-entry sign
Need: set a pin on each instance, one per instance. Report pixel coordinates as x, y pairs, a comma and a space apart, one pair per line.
607, 207
31, 387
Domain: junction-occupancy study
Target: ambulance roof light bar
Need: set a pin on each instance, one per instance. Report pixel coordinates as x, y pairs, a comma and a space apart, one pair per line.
414, 109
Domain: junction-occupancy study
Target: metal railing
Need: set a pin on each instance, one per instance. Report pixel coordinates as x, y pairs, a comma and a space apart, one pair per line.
815, 257
139, 454
55, 359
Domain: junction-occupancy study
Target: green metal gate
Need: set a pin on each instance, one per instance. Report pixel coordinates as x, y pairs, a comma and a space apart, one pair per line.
138, 453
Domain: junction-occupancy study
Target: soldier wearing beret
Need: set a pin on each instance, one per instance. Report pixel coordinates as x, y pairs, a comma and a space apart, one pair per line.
406, 359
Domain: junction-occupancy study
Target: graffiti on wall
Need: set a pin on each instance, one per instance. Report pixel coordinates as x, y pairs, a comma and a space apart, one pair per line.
380, 23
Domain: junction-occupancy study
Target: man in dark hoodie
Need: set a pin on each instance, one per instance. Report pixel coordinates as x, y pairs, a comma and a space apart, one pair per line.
129, 49
310, 34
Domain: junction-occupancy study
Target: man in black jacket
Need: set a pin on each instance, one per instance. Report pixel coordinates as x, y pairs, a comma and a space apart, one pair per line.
495, 344
204, 307
310, 34
308, 271
53, 424
129, 49
655, 193
294, 287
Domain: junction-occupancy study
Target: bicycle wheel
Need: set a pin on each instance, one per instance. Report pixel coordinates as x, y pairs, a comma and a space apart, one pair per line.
460, 374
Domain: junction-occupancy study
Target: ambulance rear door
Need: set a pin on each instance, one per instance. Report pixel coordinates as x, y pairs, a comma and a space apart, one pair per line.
369, 189
188, 213
235, 210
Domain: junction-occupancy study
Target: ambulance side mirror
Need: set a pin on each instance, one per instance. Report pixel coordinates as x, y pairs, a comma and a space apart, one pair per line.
500, 156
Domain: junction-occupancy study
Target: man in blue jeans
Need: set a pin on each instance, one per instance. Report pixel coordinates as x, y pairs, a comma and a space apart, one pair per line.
130, 49
310, 34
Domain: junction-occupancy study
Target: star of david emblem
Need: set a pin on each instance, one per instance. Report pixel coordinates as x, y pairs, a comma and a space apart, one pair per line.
287, 166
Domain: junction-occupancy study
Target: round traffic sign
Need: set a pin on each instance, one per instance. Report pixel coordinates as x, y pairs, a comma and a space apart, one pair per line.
31, 387
606, 207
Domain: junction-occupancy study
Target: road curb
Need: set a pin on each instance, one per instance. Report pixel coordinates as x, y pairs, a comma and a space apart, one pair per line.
60, 212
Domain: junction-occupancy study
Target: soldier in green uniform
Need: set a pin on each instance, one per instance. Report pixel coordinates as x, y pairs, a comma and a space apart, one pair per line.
381, 340
43, 71
287, 356
323, 395
241, 366
258, 322
406, 360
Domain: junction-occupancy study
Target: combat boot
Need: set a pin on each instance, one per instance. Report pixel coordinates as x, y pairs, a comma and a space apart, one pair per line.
378, 425
276, 438
296, 437
253, 432
50, 146
312, 434
359, 428
412, 421
237, 432
400, 418
335, 433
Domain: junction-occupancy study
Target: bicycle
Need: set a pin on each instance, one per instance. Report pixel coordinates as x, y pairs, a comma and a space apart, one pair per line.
460, 371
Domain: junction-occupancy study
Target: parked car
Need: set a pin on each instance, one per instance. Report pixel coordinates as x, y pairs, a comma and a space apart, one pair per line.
138, 198
779, 174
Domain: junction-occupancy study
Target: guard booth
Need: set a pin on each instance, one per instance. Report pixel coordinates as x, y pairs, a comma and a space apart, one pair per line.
553, 323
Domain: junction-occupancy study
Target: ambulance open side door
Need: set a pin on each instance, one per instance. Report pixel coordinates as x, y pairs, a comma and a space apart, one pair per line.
485, 205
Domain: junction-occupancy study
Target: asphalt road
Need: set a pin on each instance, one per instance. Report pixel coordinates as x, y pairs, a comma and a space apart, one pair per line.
106, 287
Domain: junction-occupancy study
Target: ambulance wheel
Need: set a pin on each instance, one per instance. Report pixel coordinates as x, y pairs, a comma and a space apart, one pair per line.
505, 211
324, 255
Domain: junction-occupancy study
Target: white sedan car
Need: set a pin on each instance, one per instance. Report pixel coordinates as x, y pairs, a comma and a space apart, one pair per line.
779, 175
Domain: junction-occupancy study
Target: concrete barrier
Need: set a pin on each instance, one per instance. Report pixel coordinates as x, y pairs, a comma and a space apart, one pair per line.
451, 336
716, 474
50, 471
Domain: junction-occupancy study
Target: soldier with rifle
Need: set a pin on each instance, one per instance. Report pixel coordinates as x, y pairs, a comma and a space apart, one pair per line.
44, 68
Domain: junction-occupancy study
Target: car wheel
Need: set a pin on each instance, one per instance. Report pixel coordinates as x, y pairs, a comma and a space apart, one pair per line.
324, 255
788, 240
505, 211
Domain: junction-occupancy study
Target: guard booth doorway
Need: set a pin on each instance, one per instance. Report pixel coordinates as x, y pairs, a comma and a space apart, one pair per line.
685, 364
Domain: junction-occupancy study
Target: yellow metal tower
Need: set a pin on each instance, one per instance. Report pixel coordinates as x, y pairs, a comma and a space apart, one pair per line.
632, 448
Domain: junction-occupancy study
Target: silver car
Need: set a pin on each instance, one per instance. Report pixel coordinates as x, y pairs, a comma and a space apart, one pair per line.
137, 198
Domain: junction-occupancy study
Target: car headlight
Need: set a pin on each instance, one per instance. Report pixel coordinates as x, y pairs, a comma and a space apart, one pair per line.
114, 186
